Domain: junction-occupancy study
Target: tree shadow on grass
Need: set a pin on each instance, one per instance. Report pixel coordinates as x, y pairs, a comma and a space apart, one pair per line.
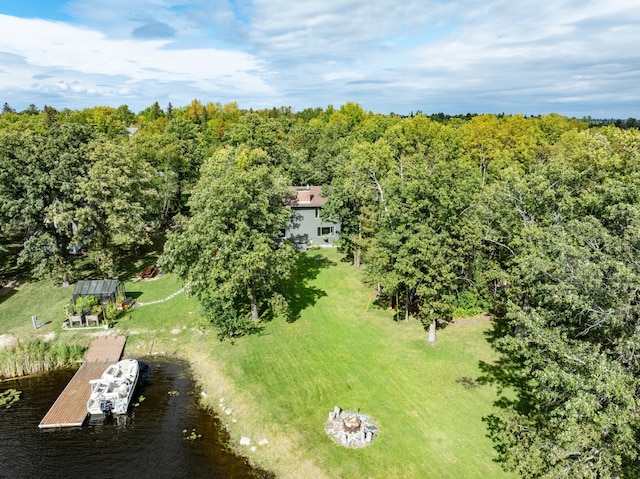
11, 272
134, 261
508, 375
299, 292
7, 291
507, 372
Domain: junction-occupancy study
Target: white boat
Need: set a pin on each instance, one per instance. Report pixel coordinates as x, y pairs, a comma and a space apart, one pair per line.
113, 391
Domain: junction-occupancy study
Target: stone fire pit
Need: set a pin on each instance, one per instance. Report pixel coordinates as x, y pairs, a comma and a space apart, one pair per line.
350, 429
351, 424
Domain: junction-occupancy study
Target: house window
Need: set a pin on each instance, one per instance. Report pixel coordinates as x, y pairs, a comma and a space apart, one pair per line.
325, 231
317, 212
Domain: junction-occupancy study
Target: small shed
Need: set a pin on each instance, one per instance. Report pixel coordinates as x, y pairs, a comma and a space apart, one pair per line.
103, 289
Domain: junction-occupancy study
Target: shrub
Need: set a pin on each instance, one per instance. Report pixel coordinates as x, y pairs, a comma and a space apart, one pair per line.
469, 303
280, 307
110, 311
229, 321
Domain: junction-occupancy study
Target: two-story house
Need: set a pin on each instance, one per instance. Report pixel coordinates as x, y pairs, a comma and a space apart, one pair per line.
306, 227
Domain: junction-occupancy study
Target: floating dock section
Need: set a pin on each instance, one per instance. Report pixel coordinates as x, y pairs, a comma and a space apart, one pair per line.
70, 409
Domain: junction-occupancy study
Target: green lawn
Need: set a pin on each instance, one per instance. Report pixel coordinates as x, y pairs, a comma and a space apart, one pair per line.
154, 289
42, 299
282, 384
289, 379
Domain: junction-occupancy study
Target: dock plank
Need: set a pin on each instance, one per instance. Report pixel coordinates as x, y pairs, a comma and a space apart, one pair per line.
70, 409
106, 348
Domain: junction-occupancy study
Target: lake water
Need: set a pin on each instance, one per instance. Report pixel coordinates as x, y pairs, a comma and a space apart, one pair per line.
147, 443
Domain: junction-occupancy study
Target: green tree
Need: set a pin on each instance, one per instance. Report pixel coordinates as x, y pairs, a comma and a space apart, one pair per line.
109, 121
115, 202
568, 331
125, 115
574, 323
481, 142
426, 247
357, 198
31, 110
176, 153
255, 131
228, 248
407, 203
153, 112
39, 174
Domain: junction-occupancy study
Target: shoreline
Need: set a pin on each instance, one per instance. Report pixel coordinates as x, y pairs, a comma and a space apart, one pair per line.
210, 393
270, 449
270, 393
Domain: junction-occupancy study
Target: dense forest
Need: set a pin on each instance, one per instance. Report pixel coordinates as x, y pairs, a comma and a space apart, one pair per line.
536, 219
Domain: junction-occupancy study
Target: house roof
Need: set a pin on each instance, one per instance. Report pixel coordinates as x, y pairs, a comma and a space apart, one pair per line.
306, 197
97, 288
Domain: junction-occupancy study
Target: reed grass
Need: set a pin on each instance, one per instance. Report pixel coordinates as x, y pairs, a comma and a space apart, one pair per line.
35, 356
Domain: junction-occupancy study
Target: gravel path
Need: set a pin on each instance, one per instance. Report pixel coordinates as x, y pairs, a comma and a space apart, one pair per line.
181, 290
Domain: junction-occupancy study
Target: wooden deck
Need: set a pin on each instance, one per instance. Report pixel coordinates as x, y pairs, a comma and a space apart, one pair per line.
106, 349
70, 409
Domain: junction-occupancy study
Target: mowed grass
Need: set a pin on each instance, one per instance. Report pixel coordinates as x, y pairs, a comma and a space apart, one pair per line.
165, 328
291, 377
147, 324
282, 384
145, 291
43, 299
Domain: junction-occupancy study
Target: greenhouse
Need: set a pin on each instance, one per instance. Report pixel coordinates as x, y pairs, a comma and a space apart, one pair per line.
103, 289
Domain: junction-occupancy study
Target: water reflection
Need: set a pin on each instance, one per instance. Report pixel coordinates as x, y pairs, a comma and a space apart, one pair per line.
147, 443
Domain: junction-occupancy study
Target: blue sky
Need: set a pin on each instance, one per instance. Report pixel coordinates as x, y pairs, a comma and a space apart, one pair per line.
576, 58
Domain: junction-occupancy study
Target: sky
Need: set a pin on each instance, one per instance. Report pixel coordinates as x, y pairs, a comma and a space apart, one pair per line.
573, 57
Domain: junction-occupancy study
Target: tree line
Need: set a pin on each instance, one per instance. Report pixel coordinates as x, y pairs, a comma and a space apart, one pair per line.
534, 218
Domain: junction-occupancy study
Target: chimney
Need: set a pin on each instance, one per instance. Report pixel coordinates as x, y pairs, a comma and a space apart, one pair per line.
304, 195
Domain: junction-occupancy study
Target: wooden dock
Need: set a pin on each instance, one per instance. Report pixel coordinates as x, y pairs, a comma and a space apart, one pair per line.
70, 409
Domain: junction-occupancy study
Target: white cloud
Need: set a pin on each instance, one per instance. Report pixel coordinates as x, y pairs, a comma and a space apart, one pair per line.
582, 56
337, 29
65, 51
412, 55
